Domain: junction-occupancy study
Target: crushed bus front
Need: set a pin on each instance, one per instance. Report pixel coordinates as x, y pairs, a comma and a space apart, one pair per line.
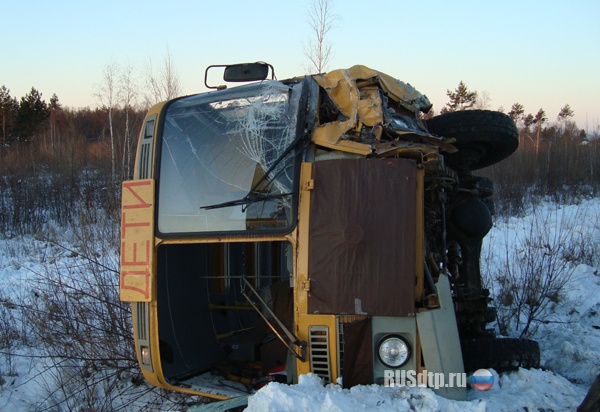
285, 227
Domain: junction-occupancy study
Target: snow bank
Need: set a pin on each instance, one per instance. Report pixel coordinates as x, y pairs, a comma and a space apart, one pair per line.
520, 390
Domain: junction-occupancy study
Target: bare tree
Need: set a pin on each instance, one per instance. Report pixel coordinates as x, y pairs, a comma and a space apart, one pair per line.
128, 95
152, 90
107, 95
163, 85
538, 267
322, 20
483, 101
170, 77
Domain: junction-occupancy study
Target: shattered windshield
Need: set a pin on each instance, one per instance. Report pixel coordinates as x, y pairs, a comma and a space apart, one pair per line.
225, 162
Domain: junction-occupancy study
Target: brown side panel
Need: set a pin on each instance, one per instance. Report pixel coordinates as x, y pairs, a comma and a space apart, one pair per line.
357, 364
362, 237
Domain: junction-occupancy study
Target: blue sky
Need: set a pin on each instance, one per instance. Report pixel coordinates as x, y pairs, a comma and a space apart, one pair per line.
543, 54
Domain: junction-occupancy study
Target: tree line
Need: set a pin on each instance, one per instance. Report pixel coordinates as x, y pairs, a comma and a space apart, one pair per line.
123, 97
46, 130
555, 159
53, 146
22, 119
462, 98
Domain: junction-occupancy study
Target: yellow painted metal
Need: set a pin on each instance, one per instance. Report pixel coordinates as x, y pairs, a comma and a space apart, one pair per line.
327, 135
340, 84
301, 281
137, 241
291, 237
330, 321
370, 106
154, 111
156, 378
357, 93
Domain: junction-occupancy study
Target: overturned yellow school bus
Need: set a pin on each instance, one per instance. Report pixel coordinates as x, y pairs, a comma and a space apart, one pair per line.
316, 224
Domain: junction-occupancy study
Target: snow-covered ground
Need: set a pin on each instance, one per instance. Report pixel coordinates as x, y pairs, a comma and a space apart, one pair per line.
533, 390
568, 328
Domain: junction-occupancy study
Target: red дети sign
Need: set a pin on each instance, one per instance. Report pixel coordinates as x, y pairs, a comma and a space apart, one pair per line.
137, 237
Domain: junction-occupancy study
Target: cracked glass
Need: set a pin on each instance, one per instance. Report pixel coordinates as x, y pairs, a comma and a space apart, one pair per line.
215, 151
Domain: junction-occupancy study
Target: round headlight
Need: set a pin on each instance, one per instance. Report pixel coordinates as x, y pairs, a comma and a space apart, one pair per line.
393, 351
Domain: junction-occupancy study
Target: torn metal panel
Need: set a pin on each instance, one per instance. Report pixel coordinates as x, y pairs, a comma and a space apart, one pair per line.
372, 107
341, 85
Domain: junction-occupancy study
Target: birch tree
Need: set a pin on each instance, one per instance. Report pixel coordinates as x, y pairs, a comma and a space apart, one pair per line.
322, 21
128, 95
107, 96
162, 84
483, 101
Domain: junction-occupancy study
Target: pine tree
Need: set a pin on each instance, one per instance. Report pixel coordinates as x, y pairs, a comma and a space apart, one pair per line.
539, 119
460, 99
33, 111
516, 111
54, 103
569, 127
54, 108
8, 112
565, 114
528, 121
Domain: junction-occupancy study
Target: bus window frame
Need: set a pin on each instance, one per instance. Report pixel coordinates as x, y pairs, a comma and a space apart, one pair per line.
303, 130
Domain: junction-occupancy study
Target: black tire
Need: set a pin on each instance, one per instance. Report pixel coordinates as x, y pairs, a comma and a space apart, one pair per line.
503, 354
483, 137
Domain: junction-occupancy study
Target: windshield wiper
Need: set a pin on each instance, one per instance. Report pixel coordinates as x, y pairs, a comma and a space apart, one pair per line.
246, 200
265, 176
251, 199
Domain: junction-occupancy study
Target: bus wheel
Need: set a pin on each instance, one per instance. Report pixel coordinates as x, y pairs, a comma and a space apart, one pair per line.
483, 137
